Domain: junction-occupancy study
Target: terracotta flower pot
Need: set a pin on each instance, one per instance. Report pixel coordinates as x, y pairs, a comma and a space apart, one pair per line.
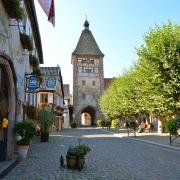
74, 162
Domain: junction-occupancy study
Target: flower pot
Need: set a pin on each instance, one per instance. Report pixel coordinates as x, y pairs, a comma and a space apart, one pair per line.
71, 162
74, 162
22, 151
80, 162
44, 136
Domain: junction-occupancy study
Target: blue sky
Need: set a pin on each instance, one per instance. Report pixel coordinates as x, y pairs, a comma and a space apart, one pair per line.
117, 25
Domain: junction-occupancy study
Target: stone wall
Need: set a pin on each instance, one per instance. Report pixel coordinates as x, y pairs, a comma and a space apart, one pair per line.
15, 60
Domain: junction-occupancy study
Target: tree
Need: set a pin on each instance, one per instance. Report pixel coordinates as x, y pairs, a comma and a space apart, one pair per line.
152, 85
162, 50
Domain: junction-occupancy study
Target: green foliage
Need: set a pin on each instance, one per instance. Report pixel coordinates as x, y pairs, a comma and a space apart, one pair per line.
26, 130
37, 72
171, 126
162, 49
33, 60
73, 125
133, 125
26, 41
46, 118
13, 9
31, 112
78, 151
152, 85
100, 123
115, 123
108, 124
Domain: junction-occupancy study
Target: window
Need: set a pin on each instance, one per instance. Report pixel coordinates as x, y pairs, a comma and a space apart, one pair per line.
44, 98
79, 60
83, 82
91, 61
88, 70
93, 83
79, 69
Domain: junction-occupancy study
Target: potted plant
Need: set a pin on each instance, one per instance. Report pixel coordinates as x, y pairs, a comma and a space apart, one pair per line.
115, 124
26, 130
13, 9
31, 112
108, 124
73, 125
133, 125
45, 118
33, 60
26, 41
37, 72
100, 123
75, 156
172, 128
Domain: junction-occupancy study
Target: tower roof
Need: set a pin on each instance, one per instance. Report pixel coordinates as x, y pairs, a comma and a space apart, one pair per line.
87, 44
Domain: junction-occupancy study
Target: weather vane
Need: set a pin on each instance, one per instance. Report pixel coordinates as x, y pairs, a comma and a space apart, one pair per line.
86, 17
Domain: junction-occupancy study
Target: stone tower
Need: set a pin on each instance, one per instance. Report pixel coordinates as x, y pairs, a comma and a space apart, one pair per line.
88, 78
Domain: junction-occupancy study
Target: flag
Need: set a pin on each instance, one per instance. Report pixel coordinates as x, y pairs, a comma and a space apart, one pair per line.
51, 16
48, 7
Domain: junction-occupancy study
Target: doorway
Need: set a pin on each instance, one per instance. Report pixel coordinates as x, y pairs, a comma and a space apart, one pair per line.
88, 116
3, 111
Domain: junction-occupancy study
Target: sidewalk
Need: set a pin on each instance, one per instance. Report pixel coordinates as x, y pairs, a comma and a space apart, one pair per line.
150, 138
7, 166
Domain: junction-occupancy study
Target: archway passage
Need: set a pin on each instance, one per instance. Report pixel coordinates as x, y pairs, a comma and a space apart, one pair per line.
88, 116
3, 111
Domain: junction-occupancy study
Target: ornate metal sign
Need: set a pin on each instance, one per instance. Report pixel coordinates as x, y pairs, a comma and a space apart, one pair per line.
32, 82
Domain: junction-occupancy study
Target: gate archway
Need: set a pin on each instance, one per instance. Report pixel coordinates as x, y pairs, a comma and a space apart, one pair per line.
7, 106
88, 116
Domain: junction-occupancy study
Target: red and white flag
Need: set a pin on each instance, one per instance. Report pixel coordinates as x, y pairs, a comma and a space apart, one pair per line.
48, 7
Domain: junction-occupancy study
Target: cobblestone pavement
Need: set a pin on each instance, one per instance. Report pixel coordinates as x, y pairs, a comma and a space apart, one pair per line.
111, 158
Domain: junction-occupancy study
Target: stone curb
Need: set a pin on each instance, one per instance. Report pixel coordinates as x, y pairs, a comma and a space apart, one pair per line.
8, 168
144, 141
154, 143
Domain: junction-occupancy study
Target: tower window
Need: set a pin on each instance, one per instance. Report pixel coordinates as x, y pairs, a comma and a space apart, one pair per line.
83, 82
93, 83
88, 70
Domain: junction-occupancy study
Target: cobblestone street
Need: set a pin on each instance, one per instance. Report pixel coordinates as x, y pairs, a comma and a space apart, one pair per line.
111, 158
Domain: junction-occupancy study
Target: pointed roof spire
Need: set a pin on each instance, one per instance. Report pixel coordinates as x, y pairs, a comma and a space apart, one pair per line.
86, 24
87, 44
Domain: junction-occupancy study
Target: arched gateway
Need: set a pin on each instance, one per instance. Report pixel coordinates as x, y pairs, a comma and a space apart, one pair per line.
7, 107
88, 79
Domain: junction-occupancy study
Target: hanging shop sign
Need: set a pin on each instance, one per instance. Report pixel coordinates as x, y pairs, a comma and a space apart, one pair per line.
32, 82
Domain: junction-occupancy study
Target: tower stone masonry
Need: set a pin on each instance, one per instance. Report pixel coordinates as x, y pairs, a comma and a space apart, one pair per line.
88, 79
